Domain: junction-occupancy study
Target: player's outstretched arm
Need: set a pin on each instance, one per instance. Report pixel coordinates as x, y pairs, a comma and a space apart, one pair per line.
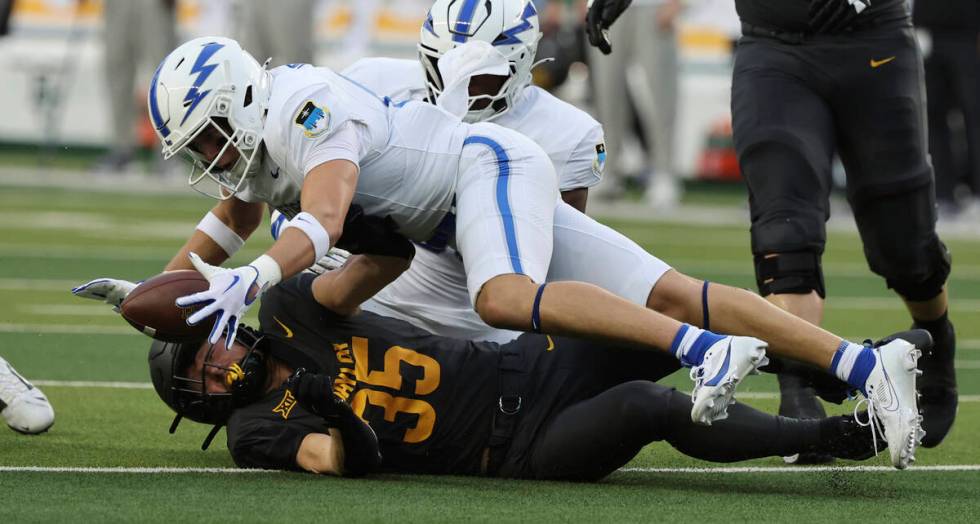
325, 199
220, 234
344, 290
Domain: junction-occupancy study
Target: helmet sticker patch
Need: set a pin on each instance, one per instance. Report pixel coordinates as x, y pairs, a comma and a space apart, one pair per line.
600, 158
313, 119
286, 405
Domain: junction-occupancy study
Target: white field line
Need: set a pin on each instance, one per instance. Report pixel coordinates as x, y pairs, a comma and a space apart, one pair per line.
709, 471
743, 267
41, 469
765, 395
37, 284
797, 469
67, 329
89, 309
92, 384
754, 395
114, 253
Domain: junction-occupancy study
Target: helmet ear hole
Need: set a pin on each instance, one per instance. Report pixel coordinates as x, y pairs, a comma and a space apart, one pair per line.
248, 97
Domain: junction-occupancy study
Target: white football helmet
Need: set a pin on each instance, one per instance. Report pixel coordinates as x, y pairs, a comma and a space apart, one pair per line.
511, 26
211, 81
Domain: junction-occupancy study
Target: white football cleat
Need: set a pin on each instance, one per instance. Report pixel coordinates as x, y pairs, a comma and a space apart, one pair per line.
725, 364
23, 406
891, 400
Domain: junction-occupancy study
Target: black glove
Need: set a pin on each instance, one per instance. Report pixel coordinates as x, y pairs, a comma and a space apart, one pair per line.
835, 16
601, 15
372, 235
314, 391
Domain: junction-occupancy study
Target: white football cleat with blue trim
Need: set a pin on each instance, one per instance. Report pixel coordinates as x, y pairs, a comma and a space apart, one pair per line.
23, 407
725, 364
891, 396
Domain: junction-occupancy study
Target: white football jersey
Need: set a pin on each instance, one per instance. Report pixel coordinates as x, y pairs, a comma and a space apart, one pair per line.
408, 155
572, 139
432, 294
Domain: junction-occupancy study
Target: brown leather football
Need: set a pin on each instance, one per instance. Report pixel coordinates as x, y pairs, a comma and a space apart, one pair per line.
152, 309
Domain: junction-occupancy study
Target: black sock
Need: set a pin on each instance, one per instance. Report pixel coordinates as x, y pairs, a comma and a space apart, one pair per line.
747, 433
941, 330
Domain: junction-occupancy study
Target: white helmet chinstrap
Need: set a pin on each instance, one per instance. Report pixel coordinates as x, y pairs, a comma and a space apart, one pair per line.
511, 26
211, 82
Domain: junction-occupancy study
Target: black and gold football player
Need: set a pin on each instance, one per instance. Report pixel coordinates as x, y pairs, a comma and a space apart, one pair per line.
347, 392
815, 77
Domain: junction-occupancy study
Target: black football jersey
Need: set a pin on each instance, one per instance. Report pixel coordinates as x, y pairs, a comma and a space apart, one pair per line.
429, 399
792, 16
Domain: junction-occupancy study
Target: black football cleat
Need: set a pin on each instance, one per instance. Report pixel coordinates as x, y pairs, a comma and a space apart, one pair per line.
937, 387
845, 438
797, 399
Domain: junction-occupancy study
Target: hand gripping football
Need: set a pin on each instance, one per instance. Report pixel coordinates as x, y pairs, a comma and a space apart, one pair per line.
152, 309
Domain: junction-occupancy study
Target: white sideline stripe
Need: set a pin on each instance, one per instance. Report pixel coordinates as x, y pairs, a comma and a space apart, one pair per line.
797, 469
10, 284
91, 309
962, 305
817, 469
38, 284
92, 384
67, 329
753, 395
43, 469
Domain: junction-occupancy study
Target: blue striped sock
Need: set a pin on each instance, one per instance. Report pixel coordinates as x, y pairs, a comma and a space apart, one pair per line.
691, 343
853, 363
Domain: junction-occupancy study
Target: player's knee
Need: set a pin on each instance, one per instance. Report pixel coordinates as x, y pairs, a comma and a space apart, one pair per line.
642, 400
920, 281
505, 301
794, 272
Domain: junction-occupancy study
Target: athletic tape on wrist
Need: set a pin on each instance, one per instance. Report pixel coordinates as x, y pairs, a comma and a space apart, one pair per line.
269, 271
312, 228
222, 235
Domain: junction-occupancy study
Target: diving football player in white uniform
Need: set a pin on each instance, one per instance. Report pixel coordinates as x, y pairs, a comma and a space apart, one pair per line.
311, 143
432, 293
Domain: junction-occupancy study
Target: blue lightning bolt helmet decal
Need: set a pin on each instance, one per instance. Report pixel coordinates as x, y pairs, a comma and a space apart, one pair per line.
203, 70
427, 25
509, 36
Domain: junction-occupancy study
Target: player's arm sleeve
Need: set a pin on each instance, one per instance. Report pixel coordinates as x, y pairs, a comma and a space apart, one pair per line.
267, 445
585, 163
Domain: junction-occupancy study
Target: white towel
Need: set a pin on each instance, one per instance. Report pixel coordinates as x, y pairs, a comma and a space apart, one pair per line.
461, 63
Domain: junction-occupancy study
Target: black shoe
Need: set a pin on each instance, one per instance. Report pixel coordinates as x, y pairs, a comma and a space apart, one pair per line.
843, 437
797, 399
937, 387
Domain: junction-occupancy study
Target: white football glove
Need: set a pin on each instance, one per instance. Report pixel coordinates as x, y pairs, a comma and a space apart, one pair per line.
334, 259
230, 294
109, 290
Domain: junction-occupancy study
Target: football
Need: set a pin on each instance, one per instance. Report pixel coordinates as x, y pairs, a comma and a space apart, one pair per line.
152, 309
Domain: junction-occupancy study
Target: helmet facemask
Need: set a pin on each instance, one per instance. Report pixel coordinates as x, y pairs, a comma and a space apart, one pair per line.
206, 176
515, 36
185, 390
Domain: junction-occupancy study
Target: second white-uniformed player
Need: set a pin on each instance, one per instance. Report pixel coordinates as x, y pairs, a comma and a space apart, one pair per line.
432, 292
